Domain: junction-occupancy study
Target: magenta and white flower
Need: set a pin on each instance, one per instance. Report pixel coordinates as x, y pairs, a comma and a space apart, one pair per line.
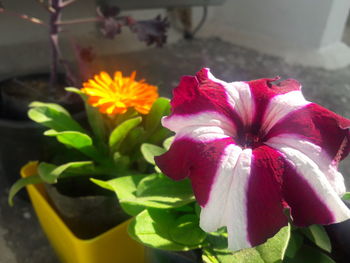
253, 149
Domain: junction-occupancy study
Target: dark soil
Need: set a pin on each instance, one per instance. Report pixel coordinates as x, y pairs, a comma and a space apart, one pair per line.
18, 93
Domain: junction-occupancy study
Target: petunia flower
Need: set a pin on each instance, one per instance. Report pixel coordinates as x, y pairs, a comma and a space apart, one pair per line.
254, 150
115, 96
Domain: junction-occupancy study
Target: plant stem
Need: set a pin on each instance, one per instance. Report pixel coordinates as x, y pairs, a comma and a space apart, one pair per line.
54, 30
56, 58
67, 3
79, 21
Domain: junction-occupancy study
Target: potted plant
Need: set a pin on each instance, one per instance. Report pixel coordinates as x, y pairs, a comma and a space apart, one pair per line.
250, 176
122, 114
18, 91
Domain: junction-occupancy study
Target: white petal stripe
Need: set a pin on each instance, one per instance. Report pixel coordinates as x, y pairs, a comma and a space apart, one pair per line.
240, 97
316, 179
280, 106
314, 152
227, 202
178, 122
202, 133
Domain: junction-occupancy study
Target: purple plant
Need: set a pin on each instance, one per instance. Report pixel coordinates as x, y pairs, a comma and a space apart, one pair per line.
151, 31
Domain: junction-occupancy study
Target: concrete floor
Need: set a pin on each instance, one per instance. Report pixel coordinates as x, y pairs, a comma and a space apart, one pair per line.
21, 239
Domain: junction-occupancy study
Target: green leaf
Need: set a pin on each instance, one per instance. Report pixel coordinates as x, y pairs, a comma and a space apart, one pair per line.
122, 163
121, 131
167, 143
50, 172
136, 192
211, 256
346, 196
98, 126
151, 227
159, 191
80, 141
318, 235
160, 108
125, 189
186, 231
53, 116
149, 151
103, 184
95, 118
21, 183
309, 254
217, 241
295, 243
74, 90
197, 209
186, 208
271, 251
159, 135
132, 142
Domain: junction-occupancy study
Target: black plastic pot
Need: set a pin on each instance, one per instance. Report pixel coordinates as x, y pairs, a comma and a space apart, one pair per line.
22, 140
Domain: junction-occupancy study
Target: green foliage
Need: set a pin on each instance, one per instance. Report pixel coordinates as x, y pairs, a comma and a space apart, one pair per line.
21, 183
149, 191
160, 108
346, 196
149, 151
125, 188
272, 251
159, 191
53, 116
295, 243
318, 235
95, 119
50, 173
165, 229
77, 140
105, 149
186, 231
121, 131
309, 254
167, 143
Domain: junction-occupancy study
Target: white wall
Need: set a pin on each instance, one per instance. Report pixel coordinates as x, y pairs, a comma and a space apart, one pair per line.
302, 31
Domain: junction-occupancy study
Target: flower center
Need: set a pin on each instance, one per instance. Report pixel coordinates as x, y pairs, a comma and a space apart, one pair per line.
250, 139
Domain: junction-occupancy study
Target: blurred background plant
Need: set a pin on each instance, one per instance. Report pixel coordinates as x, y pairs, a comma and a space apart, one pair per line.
109, 20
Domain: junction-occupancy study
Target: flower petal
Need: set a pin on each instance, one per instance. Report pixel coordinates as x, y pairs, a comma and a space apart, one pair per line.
226, 205
307, 190
246, 196
202, 95
265, 215
315, 153
318, 126
263, 93
194, 159
280, 106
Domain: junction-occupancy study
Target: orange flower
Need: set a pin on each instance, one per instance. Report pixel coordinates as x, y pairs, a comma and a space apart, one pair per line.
115, 96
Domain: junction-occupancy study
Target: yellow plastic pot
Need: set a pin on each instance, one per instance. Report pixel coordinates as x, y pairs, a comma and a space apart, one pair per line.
113, 246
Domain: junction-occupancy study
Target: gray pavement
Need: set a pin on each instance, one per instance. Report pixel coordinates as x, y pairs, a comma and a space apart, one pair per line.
21, 239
